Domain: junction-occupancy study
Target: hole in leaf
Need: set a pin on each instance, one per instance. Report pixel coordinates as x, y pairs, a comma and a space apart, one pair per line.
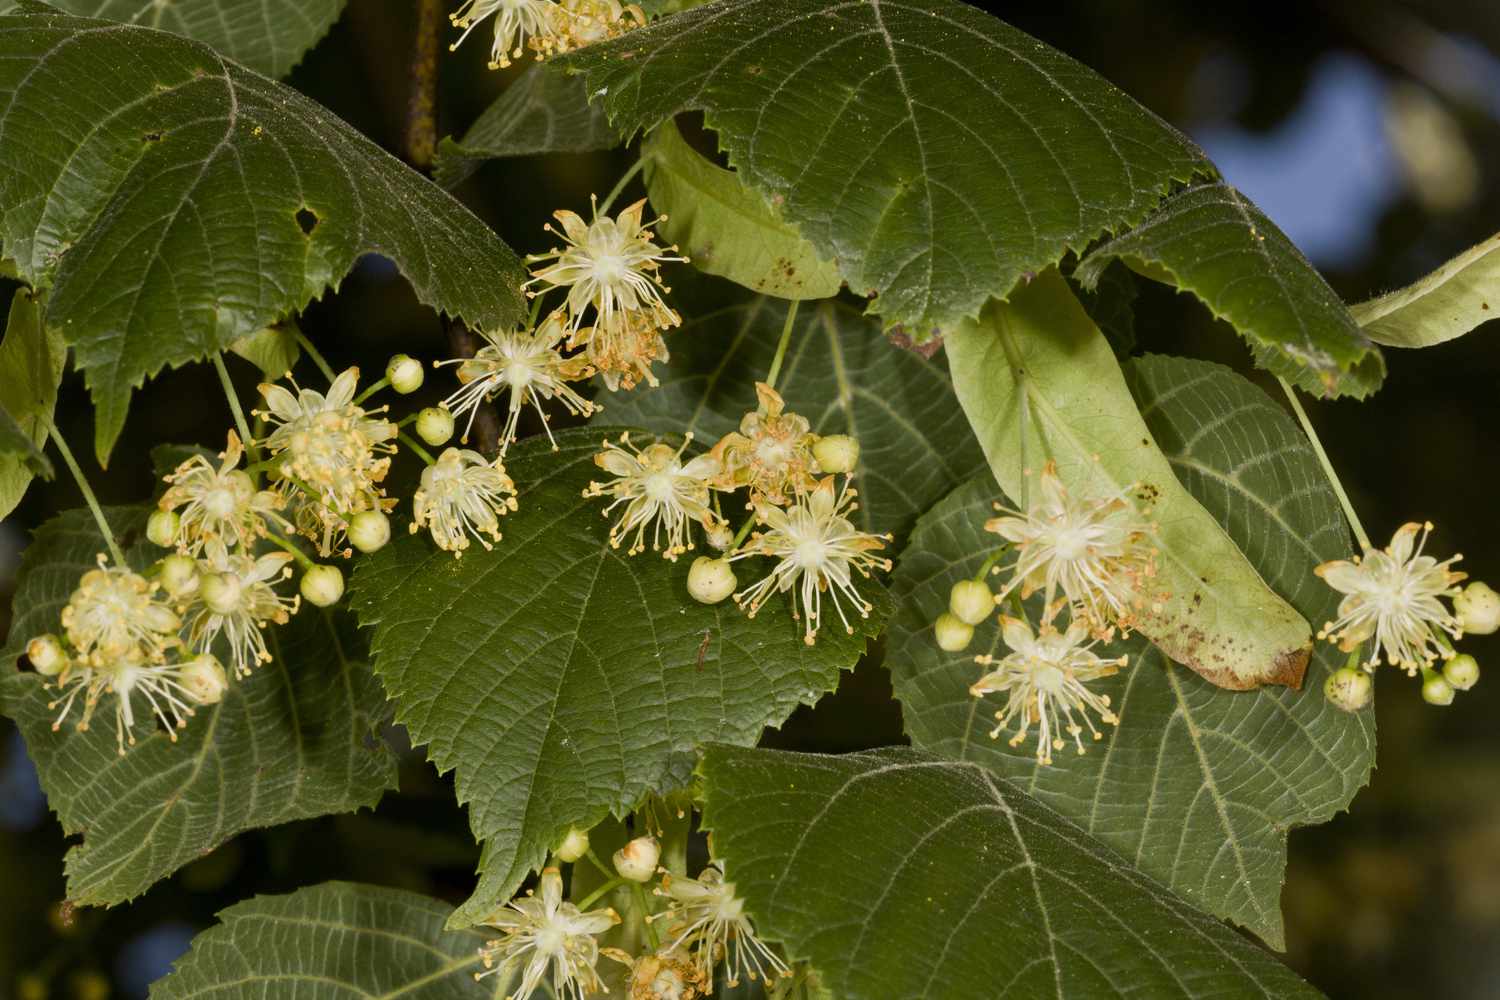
307, 219
154, 136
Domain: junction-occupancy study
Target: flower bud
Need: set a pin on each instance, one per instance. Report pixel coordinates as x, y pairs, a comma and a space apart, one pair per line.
637, 860
1436, 690
836, 453
220, 592
177, 575
574, 846
323, 585
47, 655
404, 373
369, 530
953, 635
1349, 688
1461, 671
719, 537
435, 425
971, 601
161, 527
711, 580
1478, 609
205, 679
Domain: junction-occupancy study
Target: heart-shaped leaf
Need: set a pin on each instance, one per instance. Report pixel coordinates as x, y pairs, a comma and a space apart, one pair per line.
1447, 303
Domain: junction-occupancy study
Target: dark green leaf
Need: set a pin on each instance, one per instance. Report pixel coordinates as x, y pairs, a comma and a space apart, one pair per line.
31, 366
935, 152
295, 740
562, 679
896, 874
843, 376
269, 36
174, 202
1448, 303
1198, 786
330, 942
1213, 242
1111, 305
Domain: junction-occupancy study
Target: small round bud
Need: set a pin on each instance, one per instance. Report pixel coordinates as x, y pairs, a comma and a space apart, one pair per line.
1461, 671
1349, 688
637, 860
435, 425
323, 585
177, 575
953, 635
574, 846
836, 453
1478, 609
971, 601
1436, 690
47, 655
220, 592
369, 530
404, 373
205, 679
711, 580
719, 537
161, 527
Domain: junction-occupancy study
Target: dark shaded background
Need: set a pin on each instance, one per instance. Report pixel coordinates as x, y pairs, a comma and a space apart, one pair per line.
1370, 131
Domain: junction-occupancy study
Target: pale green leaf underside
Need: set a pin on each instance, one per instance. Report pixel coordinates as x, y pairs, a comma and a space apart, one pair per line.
560, 677
726, 228
175, 202
297, 739
31, 366
846, 114
1213, 242
332, 941
897, 874
17, 446
273, 350
1216, 614
843, 376
268, 36
1447, 303
1197, 786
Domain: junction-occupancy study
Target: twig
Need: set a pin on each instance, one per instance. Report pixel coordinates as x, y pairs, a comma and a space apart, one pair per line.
421, 102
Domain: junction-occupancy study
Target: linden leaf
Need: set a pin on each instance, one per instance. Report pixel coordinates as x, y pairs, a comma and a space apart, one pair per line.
31, 367
1459, 296
562, 679
298, 739
1211, 241
845, 115
115, 189
897, 874
273, 350
331, 942
1197, 786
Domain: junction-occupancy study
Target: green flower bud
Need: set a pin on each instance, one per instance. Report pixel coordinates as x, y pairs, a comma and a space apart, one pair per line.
1436, 690
177, 574
369, 530
1461, 671
435, 425
404, 373
953, 634
1349, 688
836, 453
323, 585
220, 592
47, 655
205, 679
1478, 609
161, 527
637, 860
711, 580
574, 846
971, 601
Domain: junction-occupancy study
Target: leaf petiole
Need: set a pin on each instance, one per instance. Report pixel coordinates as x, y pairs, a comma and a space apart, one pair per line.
781, 345
88, 493
234, 407
312, 352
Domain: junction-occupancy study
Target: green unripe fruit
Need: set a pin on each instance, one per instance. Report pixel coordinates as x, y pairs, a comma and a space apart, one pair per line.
220, 592
1462, 671
836, 453
177, 575
971, 601
323, 585
435, 425
953, 634
1436, 690
404, 373
369, 530
205, 679
47, 655
711, 580
1478, 609
1349, 688
161, 527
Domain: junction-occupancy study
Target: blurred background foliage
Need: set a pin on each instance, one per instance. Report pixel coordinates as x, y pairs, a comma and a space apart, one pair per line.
1368, 129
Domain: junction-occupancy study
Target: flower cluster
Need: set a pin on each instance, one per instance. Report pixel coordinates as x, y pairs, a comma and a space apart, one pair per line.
547, 940
706, 923
544, 27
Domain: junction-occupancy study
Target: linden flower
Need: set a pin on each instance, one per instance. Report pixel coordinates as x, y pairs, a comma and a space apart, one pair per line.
236, 598
220, 507
515, 22
1395, 595
170, 690
1044, 678
705, 917
816, 547
114, 616
547, 934
771, 453
624, 352
327, 442
1096, 552
462, 494
610, 264
659, 491
528, 363
591, 21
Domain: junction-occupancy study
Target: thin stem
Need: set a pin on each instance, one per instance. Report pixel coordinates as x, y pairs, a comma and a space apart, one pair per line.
234, 407
408, 420
603, 870
1333, 477
415, 446
421, 102
600, 892
639, 892
989, 563
302, 559
740, 535
536, 308
372, 390
786, 338
88, 494
625, 179
312, 352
